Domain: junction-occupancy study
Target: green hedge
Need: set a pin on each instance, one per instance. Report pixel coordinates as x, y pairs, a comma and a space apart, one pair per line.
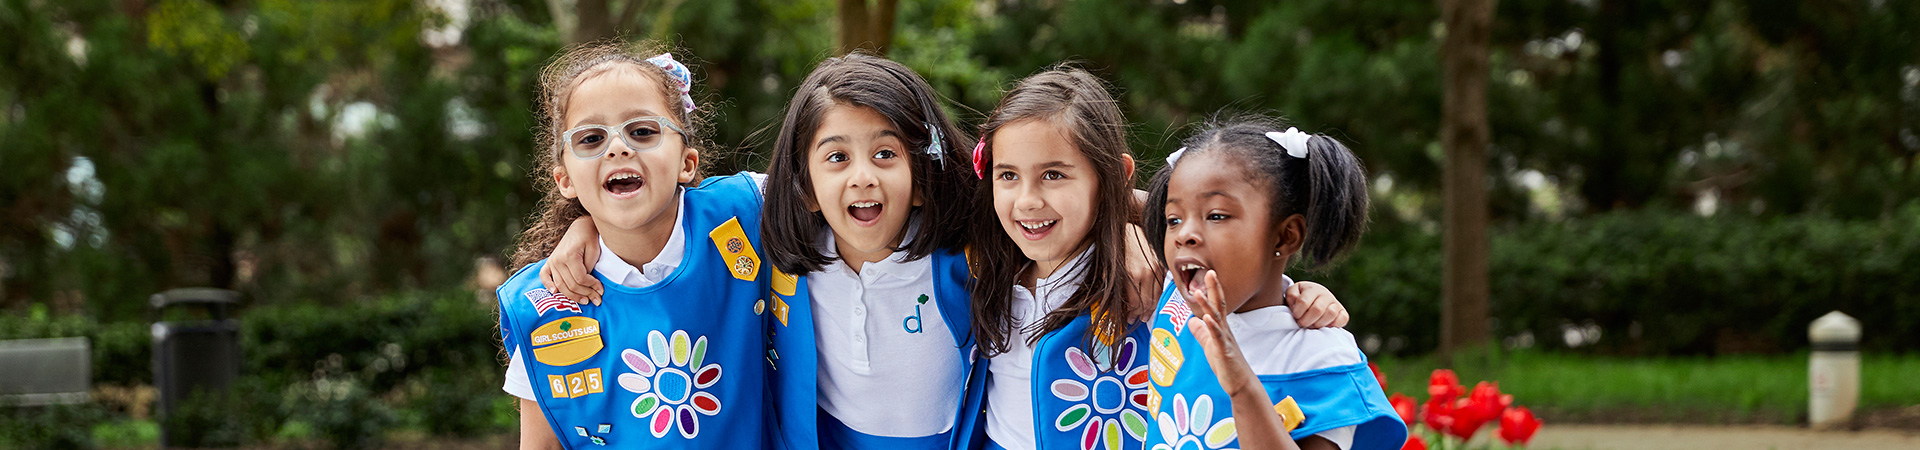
1654, 284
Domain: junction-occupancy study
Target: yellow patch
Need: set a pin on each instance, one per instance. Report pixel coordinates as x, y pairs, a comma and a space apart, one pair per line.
783, 283
735, 251
566, 341
1290, 413
780, 309
1166, 357
1153, 401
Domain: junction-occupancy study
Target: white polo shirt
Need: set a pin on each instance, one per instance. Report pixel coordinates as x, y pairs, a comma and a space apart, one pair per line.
887, 366
1010, 388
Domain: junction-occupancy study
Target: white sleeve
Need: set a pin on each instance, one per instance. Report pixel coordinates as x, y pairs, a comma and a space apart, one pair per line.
517, 383
1342, 437
759, 181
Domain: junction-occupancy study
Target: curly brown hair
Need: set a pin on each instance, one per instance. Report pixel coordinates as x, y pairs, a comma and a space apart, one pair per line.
562, 74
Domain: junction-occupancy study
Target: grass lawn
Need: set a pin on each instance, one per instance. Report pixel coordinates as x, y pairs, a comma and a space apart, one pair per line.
1728, 389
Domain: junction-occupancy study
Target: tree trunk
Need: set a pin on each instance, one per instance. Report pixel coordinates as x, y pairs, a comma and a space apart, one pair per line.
865, 26
1464, 133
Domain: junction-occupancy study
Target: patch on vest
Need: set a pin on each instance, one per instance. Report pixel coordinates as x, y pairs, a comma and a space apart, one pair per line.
783, 283
566, 341
672, 378
1166, 357
735, 251
544, 301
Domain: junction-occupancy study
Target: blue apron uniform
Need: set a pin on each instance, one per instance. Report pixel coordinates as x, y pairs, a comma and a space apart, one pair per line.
794, 360
1084, 396
1193, 412
678, 364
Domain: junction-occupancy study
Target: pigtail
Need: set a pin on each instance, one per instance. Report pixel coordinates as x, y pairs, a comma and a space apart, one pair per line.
1336, 201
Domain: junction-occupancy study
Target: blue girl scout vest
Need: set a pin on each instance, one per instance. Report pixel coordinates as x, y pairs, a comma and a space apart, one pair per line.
794, 358
1193, 412
1084, 396
674, 365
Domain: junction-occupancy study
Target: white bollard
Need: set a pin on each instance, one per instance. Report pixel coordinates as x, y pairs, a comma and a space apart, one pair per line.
1833, 372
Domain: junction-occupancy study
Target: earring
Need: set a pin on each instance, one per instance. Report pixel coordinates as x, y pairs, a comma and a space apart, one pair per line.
1276, 253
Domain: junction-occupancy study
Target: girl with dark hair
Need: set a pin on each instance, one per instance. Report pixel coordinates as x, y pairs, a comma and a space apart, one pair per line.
669, 361
1234, 207
871, 336
1055, 308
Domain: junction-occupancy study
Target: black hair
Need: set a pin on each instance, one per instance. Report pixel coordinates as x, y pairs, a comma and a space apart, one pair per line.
1328, 188
894, 91
1079, 105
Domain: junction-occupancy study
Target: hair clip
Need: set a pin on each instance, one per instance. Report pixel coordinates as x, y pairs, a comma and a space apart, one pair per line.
937, 149
1175, 156
979, 159
1294, 141
682, 78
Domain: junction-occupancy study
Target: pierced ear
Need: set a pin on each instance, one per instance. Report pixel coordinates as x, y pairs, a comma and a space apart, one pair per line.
690, 165
1290, 236
561, 180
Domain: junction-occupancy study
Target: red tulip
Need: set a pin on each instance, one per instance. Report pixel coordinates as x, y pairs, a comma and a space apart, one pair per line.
1437, 414
1405, 406
1517, 425
1414, 442
1377, 376
1464, 424
1486, 402
1444, 385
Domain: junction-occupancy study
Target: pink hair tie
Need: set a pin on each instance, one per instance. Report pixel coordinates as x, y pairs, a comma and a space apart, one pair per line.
979, 170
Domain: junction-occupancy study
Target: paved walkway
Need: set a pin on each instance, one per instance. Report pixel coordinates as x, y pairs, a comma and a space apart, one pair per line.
1690, 437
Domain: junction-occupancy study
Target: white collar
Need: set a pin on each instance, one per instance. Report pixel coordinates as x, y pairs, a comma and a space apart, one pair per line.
663, 264
895, 265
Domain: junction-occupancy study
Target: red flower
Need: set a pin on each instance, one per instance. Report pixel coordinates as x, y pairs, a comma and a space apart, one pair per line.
1517, 425
1414, 442
1405, 406
1437, 414
1377, 376
1486, 402
1444, 385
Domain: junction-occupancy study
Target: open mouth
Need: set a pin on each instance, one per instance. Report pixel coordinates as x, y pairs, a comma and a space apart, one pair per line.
1036, 229
864, 212
623, 183
1187, 272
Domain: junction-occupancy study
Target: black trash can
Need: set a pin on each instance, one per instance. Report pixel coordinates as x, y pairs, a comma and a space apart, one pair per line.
195, 355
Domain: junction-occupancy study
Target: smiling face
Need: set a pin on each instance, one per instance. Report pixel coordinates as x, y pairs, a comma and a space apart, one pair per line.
862, 185
625, 190
1044, 192
1218, 218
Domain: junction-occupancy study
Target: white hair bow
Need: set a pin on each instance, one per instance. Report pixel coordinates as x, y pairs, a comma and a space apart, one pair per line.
1175, 156
1293, 140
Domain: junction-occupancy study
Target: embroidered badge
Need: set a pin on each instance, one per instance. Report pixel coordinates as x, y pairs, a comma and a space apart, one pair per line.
1189, 426
672, 381
913, 323
1178, 313
544, 301
1165, 357
735, 251
780, 310
576, 385
1104, 403
566, 341
1290, 413
596, 436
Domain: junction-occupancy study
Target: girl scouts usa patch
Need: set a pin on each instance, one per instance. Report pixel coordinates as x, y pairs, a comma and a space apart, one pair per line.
566, 341
735, 251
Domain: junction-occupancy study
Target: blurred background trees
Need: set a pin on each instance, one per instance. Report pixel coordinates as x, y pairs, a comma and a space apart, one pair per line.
330, 152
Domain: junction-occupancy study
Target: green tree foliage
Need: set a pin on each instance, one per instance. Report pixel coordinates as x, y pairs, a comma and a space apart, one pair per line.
333, 150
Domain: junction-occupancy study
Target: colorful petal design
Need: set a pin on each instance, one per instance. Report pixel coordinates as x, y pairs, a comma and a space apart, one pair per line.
699, 353
706, 403
1072, 417
707, 377
1221, 433
1112, 433
657, 347
638, 362
635, 383
689, 425
682, 347
672, 390
645, 404
1090, 436
1135, 425
1069, 390
662, 422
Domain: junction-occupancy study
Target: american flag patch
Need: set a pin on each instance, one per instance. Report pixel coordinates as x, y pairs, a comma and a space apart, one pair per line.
1177, 310
544, 301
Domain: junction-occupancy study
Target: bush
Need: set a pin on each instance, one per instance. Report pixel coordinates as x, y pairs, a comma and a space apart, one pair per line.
1654, 284
57, 427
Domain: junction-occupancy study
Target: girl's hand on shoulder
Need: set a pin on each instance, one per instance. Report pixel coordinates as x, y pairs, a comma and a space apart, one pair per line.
1216, 337
569, 270
1145, 272
1313, 306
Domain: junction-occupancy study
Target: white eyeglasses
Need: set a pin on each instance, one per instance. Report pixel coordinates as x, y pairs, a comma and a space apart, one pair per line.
641, 134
